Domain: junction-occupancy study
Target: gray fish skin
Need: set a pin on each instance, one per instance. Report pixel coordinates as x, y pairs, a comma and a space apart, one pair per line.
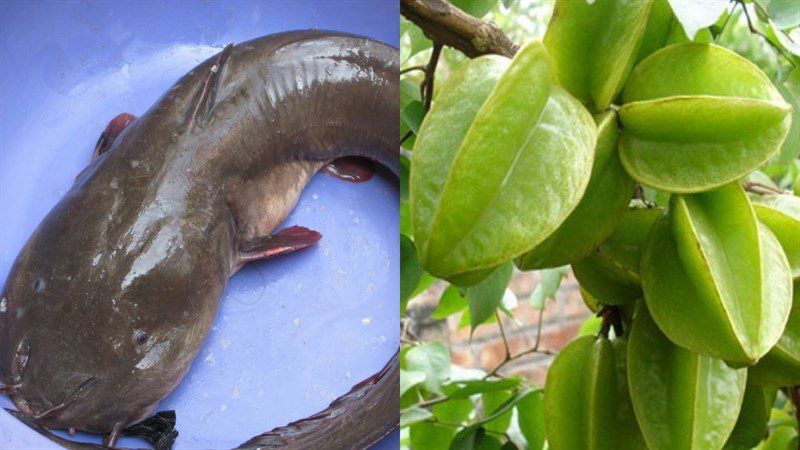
109, 301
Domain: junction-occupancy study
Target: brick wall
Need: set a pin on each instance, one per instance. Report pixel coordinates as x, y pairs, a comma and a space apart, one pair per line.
560, 323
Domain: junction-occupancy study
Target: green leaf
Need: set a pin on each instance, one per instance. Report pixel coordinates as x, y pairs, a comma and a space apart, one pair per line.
591, 326
548, 286
493, 400
475, 439
530, 417
695, 15
485, 297
465, 388
469, 436
412, 115
475, 222
428, 435
409, 92
409, 379
789, 41
410, 270
451, 302
424, 283
417, 40
785, 13
790, 90
477, 8
432, 359
413, 416
405, 220
405, 168
781, 438
454, 410
504, 407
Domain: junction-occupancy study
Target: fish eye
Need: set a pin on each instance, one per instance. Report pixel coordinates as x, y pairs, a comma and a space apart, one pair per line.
140, 337
38, 285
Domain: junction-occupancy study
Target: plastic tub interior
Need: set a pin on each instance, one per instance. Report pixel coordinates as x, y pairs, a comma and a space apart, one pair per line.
292, 333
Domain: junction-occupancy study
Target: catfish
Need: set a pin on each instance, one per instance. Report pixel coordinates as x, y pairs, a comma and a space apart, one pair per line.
110, 299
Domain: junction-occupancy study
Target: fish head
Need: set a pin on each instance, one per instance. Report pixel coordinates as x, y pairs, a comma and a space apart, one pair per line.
101, 320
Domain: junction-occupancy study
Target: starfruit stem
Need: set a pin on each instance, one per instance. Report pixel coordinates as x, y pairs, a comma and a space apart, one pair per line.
426, 88
611, 319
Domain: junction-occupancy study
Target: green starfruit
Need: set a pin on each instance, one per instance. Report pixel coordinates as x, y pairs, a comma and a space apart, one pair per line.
521, 169
586, 400
599, 211
594, 45
781, 213
683, 401
715, 280
689, 128
611, 273
781, 366
751, 426
442, 133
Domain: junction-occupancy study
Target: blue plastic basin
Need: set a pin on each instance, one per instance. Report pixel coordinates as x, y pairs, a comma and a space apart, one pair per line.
292, 333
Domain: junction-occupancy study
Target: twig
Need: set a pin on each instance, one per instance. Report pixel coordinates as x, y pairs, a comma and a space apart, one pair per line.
503, 334
446, 24
405, 137
426, 88
534, 349
758, 188
412, 68
755, 30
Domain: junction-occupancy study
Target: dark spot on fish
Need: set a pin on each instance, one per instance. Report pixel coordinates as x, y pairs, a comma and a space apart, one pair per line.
38, 285
140, 337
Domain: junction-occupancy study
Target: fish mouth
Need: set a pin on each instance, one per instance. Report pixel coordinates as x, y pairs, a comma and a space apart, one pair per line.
52, 415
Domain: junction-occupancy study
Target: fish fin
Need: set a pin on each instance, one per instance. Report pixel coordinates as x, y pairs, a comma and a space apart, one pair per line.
9, 388
159, 430
351, 168
110, 440
31, 422
204, 99
109, 135
285, 241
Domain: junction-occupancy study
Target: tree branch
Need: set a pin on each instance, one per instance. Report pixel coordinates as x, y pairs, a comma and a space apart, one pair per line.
446, 24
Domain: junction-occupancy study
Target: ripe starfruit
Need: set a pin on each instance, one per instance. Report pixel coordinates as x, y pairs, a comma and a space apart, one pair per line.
599, 211
521, 169
715, 280
682, 400
586, 400
781, 366
594, 45
611, 273
687, 128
